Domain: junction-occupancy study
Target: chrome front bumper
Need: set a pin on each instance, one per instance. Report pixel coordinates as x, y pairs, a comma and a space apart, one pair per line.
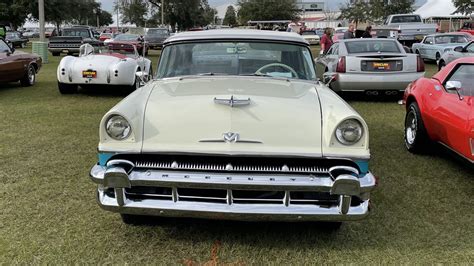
344, 186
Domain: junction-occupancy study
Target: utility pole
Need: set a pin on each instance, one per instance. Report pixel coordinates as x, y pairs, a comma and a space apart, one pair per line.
118, 7
163, 12
41, 19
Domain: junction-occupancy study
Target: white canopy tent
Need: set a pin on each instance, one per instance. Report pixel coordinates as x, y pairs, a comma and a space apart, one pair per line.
441, 12
436, 8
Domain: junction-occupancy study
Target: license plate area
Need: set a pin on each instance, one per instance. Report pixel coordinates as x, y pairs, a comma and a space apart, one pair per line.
90, 74
382, 66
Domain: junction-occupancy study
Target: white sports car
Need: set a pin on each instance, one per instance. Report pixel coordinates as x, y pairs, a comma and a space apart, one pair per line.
117, 65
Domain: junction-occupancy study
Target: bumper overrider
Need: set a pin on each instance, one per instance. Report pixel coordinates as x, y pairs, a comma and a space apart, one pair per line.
341, 195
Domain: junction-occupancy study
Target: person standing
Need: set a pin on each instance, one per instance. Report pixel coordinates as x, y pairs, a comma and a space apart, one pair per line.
368, 32
349, 34
326, 41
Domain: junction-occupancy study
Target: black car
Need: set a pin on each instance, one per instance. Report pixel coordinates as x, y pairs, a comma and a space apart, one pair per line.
155, 37
16, 39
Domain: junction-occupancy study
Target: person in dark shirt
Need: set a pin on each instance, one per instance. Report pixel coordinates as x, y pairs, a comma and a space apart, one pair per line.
367, 33
349, 34
326, 41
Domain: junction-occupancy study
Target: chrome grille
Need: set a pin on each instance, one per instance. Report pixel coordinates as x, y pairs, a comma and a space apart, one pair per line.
230, 197
229, 167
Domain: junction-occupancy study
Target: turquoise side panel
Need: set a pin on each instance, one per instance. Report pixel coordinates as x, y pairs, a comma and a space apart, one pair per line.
104, 157
363, 166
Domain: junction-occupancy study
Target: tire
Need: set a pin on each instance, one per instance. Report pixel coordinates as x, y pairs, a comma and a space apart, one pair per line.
56, 53
29, 78
67, 88
438, 57
415, 135
135, 86
441, 64
22, 45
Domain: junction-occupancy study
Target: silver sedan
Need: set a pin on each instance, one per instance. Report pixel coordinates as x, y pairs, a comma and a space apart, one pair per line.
369, 65
458, 52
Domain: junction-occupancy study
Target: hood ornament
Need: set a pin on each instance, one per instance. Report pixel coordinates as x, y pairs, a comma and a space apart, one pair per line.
232, 101
231, 137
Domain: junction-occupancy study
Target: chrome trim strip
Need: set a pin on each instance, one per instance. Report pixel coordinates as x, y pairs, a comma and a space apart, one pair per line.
185, 179
458, 153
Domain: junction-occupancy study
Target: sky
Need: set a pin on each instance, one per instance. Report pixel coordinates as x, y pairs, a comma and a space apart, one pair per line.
332, 4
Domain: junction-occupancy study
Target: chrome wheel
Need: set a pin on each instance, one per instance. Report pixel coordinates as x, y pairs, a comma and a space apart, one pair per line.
31, 75
410, 127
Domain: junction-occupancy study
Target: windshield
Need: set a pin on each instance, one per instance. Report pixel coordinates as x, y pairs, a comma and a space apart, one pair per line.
370, 46
450, 39
126, 37
76, 32
4, 48
308, 33
237, 58
157, 32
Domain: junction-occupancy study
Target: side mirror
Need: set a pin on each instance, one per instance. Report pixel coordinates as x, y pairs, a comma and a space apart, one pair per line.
143, 77
459, 49
454, 86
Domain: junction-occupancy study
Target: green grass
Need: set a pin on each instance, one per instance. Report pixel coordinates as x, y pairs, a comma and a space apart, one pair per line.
422, 211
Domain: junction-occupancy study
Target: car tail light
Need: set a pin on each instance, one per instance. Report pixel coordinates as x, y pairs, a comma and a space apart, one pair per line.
420, 65
341, 65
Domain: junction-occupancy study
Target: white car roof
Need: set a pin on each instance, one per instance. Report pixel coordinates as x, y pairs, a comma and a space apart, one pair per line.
237, 34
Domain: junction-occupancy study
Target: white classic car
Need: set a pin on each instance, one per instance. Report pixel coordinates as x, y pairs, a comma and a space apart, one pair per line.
234, 126
113, 65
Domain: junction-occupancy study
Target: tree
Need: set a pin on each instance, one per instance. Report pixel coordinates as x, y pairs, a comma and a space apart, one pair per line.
463, 6
356, 13
230, 16
12, 12
134, 11
260, 10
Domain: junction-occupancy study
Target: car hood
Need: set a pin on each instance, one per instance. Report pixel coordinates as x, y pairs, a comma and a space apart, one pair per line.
283, 117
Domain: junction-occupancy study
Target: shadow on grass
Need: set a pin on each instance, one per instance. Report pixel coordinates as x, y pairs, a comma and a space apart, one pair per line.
362, 97
105, 91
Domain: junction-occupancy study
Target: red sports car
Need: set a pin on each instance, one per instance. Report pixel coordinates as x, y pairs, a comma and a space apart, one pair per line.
133, 39
441, 109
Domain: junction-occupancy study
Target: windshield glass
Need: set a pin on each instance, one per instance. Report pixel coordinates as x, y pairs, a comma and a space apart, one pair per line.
157, 32
126, 37
76, 32
450, 39
374, 46
237, 58
4, 47
308, 33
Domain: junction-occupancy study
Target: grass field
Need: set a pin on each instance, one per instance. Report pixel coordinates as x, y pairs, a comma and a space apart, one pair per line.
422, 210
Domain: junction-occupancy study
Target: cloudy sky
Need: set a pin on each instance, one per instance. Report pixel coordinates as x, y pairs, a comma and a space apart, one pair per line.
332, 4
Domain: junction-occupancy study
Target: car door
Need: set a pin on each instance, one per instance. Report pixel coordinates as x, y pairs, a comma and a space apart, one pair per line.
321, 63
11, 64
331, 59
426, 47
452, 113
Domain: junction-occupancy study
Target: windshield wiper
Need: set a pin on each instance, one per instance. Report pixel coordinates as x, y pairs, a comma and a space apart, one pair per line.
212, 74
264, 75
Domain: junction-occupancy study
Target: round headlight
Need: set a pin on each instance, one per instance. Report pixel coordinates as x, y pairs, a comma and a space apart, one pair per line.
118, 127
349, 132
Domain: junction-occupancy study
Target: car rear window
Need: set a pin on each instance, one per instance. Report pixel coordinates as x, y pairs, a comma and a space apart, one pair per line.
76, 33
406, 19
372, 46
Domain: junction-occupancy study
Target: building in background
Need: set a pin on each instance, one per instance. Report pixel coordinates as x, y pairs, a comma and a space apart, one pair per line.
310, 6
